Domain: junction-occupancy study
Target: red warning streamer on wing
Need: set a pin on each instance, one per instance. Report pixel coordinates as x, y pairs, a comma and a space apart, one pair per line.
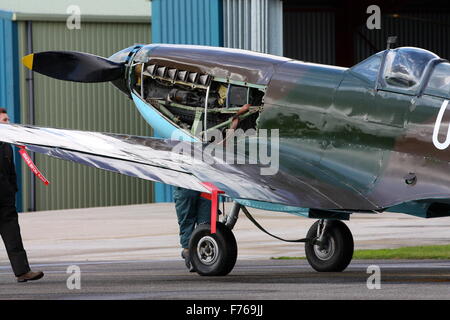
214, 197
26, 157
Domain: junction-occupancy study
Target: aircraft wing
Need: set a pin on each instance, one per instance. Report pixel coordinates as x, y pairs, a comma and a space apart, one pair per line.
144, 158
158, 160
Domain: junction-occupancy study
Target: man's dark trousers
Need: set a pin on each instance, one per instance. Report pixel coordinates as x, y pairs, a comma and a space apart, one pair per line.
9, 220
192, 210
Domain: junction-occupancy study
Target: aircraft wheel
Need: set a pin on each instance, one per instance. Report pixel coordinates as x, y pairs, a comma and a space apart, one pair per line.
213, 254
336, 250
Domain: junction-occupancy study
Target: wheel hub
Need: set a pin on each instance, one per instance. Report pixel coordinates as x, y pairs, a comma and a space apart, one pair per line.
326, 249
207, 250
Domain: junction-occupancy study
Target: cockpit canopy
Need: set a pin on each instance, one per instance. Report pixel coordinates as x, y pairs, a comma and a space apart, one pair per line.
405, 70
404, 67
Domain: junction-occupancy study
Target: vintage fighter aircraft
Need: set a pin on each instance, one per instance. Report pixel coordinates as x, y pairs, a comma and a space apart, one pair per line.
371, 138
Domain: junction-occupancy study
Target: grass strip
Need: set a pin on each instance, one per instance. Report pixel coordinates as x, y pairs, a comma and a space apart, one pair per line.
412, 253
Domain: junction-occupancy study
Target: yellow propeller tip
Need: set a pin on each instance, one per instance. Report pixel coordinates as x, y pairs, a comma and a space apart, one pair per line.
28, 61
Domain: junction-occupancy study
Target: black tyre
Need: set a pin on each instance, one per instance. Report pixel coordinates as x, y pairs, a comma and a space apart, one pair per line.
337, 250
213, 254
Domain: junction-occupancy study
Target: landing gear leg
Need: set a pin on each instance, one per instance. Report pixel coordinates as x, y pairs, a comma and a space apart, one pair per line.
331, 246
231, 219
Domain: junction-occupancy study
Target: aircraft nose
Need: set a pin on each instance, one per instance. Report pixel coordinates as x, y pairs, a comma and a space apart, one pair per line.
123, 56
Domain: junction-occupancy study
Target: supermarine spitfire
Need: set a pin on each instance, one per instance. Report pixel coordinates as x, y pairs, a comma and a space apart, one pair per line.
370, 138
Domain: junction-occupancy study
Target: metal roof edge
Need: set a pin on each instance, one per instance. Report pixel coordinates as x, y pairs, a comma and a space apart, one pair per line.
19, 16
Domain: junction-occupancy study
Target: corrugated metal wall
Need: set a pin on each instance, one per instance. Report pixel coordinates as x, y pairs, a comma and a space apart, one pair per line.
310, 36
185, 22
253, 25
9, 80
9, 96
417, 29
93, 107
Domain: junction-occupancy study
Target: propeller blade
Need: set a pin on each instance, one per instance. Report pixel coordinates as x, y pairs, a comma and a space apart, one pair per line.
74, 66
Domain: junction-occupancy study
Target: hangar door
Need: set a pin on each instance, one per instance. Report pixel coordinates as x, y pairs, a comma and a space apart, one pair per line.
92, 107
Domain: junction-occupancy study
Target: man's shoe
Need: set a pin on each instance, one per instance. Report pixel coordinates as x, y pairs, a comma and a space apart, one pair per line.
187, 260
30, 276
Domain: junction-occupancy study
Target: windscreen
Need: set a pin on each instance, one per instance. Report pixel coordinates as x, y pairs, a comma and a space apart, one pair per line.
439, 84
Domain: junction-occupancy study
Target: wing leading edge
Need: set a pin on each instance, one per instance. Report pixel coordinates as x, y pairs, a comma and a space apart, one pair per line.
160, 160
117, 153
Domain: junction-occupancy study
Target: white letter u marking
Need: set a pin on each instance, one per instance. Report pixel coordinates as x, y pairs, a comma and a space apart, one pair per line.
437, 126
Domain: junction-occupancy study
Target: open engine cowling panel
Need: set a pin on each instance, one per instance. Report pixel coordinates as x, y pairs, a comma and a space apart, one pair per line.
195, 101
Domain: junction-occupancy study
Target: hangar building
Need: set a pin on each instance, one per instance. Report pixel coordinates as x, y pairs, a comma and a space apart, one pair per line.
30, 98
